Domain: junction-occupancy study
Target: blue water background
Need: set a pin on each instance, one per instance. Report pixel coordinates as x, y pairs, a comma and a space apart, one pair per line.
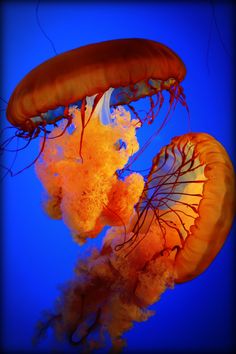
39, 253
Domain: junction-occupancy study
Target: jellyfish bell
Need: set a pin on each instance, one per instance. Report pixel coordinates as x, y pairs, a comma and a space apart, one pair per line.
188, 202
135, 68
125, 70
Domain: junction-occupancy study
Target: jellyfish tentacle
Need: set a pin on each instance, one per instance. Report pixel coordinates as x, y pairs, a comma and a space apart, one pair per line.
89, 330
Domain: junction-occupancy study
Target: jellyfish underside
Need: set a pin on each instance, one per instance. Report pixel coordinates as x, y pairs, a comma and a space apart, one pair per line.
83, 190
98, 141
154, 239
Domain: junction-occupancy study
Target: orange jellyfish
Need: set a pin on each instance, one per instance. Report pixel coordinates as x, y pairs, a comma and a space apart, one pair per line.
111, 73
73, 92
178, 226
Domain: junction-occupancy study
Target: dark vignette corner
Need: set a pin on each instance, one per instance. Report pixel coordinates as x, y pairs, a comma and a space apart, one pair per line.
233, 137
1, 185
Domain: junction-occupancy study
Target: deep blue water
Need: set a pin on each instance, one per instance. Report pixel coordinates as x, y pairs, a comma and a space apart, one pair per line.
39, 253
